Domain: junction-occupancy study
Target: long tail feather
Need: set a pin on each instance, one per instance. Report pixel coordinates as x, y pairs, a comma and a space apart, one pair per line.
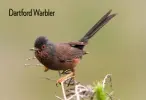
104, 20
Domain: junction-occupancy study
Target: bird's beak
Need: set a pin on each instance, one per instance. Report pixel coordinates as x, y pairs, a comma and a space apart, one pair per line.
33, 49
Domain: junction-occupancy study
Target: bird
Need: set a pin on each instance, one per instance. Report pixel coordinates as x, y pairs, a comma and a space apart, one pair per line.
67, 55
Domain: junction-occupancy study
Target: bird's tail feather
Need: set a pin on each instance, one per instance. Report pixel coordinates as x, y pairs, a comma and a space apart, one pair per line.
104, 20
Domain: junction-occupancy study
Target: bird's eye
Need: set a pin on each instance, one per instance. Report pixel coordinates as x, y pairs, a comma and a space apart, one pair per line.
43, 46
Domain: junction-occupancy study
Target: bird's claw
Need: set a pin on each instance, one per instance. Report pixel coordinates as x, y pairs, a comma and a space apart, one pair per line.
59, 81
57, 84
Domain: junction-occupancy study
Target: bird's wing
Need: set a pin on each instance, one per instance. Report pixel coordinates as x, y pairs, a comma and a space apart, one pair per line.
65, 52
78, 44
73, 44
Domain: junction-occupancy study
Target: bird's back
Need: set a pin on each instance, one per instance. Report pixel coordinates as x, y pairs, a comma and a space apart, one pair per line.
68, 52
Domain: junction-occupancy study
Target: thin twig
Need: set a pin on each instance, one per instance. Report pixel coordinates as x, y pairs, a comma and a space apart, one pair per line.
104, 80
58, 97
63, 91
76, 92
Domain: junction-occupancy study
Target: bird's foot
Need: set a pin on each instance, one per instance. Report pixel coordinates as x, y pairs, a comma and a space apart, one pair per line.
62, 79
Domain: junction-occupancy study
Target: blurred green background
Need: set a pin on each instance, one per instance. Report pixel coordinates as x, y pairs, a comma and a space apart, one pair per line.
119, 48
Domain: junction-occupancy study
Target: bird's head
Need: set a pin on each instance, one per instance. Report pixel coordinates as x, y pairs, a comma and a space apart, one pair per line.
41, 43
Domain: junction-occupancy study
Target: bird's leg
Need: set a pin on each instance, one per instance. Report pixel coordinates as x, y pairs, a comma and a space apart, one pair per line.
72, 78
72, 74
65, 77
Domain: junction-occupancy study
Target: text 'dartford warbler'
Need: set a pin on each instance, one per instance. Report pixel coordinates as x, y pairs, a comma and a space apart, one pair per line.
31, 12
